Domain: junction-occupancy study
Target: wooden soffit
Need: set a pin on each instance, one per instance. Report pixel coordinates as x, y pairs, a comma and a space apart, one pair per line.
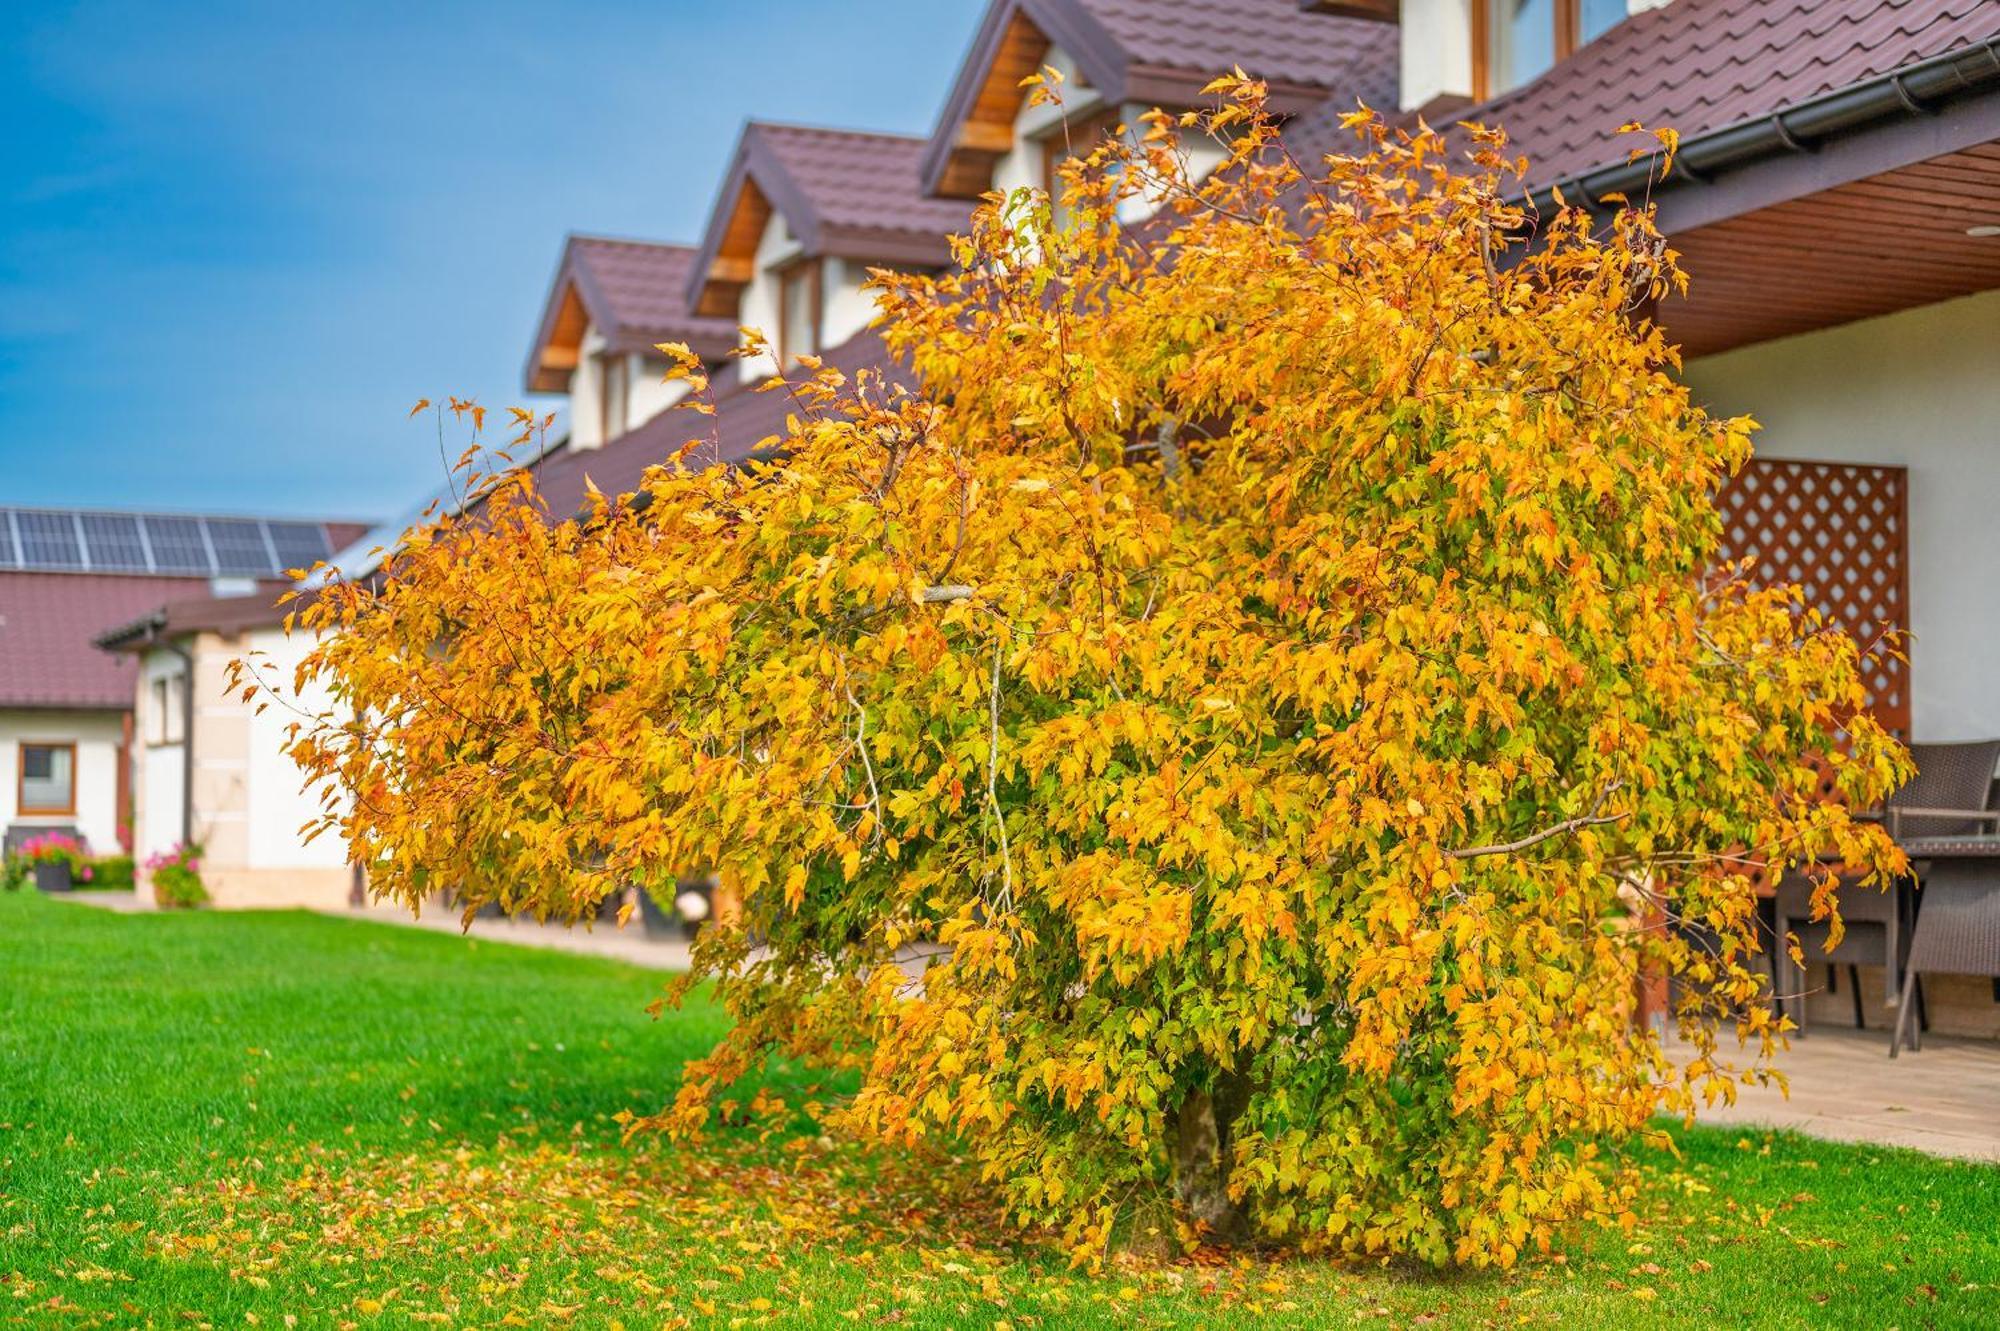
1892, 241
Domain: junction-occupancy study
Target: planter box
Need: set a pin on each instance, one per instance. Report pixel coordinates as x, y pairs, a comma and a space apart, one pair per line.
53, 877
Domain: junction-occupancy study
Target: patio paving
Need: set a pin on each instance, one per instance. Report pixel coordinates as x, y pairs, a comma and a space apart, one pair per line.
629, 944
1844, 1087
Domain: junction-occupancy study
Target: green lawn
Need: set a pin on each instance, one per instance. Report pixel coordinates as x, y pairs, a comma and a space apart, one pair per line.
286, 1120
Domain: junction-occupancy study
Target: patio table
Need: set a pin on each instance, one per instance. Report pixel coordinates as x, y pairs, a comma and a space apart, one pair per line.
1958, 919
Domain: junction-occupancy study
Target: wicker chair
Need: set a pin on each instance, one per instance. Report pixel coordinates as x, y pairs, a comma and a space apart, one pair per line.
1950, 796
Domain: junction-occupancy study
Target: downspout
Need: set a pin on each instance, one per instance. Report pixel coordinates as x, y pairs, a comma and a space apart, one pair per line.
187, 741
1915, 89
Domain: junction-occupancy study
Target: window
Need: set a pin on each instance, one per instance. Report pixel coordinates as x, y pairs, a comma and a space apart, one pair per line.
614, 402
800, 307
1516, 40
48, 778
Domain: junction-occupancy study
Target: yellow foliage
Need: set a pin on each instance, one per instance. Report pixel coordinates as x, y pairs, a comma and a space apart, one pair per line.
1277, 646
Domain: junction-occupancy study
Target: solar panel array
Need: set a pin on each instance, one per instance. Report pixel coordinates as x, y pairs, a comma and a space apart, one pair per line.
62, 540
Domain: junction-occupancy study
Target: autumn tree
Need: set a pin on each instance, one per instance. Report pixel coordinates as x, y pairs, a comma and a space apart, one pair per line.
1229, 714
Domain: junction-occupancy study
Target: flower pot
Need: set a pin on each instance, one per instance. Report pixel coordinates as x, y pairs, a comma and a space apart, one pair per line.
53, 876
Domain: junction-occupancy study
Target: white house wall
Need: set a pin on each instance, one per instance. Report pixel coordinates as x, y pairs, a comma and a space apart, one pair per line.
159, 773
1919, 389
586, 388
652, 392
758, 306
648, 392
278, 803
846, 306
1436, 58
97, 735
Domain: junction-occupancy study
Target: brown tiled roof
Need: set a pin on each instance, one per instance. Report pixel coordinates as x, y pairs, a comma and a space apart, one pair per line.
844, 192
1157, 53
744, 420
634, 292
857, 182
48, 622
198, 614
1700, 65
1270, 39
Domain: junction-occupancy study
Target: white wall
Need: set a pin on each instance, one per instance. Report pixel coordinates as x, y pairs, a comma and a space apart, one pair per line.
652, 391
1919, 389
1437, 47
757, 307
96, 735
847, 307
586, 383
278, 803
1436, 50
647, 395
159, 775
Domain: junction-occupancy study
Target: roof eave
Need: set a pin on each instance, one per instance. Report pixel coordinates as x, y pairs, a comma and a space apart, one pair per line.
133, 634
1953, 91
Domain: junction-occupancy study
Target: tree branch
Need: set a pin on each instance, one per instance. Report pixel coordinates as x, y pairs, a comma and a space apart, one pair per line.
1563, 828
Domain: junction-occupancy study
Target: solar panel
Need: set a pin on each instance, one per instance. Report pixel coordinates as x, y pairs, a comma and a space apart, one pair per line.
114, 543
239, 546
158, 543
48, 540
177, 544
299, 544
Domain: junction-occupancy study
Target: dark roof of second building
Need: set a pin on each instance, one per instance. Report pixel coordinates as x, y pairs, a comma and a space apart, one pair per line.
1700, 65
744, 421
48, 623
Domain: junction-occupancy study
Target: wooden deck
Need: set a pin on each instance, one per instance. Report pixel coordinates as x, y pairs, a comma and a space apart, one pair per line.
1844, 1087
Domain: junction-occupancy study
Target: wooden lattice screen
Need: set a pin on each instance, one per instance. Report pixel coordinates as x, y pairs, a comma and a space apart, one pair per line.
1842, 532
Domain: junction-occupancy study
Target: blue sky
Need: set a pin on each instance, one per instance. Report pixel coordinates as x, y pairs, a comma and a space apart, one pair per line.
237, 241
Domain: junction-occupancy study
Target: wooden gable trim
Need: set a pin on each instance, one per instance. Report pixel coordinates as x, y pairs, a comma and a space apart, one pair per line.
986, 133
734, 262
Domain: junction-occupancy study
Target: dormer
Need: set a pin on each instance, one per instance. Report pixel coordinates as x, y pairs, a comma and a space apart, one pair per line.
1459, 52
802, 216
612, 303
1119, 59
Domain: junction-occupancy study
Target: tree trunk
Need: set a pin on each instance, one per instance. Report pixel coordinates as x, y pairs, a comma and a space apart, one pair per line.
1203, 1128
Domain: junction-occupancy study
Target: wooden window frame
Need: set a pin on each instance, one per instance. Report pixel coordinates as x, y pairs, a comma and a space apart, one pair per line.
1568, 20
789, 346
21, 779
